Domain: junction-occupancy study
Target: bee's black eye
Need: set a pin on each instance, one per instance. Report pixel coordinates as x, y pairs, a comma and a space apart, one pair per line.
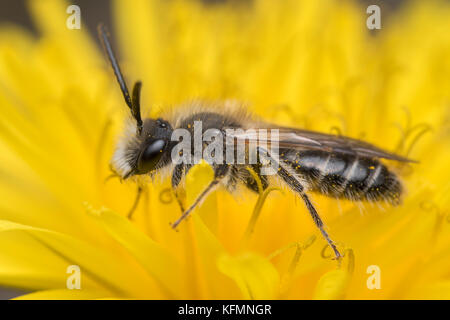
150, 156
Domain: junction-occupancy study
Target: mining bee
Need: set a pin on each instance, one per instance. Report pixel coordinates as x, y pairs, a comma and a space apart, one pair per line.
307, 161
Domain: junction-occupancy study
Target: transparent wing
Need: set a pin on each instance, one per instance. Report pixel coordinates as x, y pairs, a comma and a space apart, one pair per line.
291, 138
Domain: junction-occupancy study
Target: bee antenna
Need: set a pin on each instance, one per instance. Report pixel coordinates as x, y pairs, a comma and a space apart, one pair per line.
136, 109
134, 104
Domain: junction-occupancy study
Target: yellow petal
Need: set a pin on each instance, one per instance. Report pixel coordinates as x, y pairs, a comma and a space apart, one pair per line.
158, 262
256, 276
439, 290
35, 258
332, 285
64, 294
197, 179
208, 251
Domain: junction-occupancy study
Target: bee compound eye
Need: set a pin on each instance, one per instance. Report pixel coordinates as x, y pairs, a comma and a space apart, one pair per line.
150, 156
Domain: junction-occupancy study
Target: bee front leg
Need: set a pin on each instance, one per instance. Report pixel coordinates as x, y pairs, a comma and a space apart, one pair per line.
178, 173
180, 198
220, 172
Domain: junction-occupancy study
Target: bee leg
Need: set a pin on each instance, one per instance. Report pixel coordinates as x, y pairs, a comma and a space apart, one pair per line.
178, 173
293, 182
136, 202
220, 172
179, 198
319, 223
250, 181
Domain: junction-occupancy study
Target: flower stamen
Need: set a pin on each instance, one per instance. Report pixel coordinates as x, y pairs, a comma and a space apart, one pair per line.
136, 202
256, 212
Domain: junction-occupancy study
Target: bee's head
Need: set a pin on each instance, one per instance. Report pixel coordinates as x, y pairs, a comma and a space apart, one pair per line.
154, 140
142, 149
145, 151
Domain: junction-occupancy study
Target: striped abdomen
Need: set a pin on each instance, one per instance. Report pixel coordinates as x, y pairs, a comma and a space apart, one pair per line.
342, 176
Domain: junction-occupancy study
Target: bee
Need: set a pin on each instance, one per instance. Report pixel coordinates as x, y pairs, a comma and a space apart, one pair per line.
307, 161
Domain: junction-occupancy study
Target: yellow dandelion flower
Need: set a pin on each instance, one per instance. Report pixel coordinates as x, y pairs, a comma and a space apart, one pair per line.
306, 64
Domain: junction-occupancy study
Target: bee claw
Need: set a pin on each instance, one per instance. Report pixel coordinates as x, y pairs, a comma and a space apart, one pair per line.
173, 226
338, 257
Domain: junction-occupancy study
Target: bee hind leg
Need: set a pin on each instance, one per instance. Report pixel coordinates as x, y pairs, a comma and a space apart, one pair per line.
220, 172
295, 185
